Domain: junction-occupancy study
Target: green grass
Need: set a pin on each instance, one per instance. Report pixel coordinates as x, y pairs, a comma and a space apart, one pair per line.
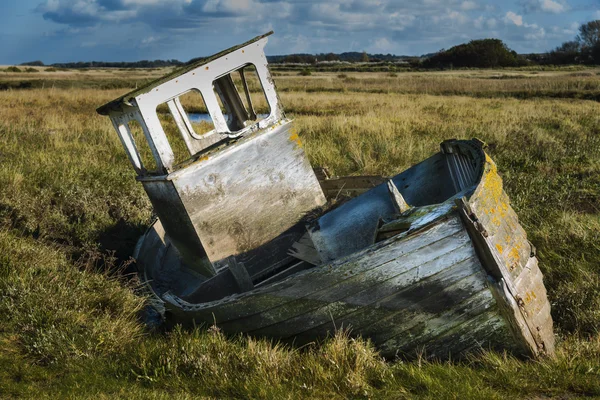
71, 211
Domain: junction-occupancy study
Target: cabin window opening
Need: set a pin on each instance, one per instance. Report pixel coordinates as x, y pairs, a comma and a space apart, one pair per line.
194, 107
242, 98
142, 145
174, 137
187, 124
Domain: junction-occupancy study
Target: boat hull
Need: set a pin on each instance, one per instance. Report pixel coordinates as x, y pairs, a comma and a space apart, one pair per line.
466, 281
407, 296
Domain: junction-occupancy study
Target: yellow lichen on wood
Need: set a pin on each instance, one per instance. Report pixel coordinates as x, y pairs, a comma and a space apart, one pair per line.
514, 255
529, 297
295, 138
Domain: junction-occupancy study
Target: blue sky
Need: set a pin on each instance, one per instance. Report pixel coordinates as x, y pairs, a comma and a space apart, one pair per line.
129, 30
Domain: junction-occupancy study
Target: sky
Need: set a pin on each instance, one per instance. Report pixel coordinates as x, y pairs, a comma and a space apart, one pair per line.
130, 30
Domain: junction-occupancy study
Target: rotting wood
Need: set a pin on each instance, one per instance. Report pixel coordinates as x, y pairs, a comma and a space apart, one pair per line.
300, 305
304, 249
240, 274
513, 294
400, 205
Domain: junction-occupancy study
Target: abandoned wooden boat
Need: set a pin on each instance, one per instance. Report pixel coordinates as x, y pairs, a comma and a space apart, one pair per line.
432, 261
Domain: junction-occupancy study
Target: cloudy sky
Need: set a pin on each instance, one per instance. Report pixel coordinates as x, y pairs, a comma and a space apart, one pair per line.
129, 30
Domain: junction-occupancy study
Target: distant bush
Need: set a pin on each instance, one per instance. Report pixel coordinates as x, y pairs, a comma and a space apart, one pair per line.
36, 63
55, 69
13, 69
305, 72
31, 70
392, 75
342, 76
485, 53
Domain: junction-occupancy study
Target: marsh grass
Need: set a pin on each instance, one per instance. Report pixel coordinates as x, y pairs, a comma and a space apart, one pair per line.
71, 211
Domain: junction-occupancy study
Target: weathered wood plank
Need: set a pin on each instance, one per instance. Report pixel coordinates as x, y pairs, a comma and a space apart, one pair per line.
411, 315
430, 328
282, 293
364, 268
533, 301
368, 280
294, 269
400, 205
487, 331
372, 305
240, 274
496, 235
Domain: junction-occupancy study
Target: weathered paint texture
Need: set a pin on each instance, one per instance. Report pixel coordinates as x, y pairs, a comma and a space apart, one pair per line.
249, 193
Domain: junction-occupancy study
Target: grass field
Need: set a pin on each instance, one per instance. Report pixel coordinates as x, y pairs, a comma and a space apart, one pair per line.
71, 211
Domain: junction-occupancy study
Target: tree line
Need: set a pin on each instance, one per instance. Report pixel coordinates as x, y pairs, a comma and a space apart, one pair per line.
107, 64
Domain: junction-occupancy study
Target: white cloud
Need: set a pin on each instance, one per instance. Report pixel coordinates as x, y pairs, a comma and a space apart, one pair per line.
536, 33
457, 17
381, 44
522, 31
514, 18
227, 6
468, 5
563, 33
553, 6
453, 17
488, 23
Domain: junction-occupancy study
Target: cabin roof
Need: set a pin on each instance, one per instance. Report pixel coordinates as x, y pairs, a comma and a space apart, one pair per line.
118, 102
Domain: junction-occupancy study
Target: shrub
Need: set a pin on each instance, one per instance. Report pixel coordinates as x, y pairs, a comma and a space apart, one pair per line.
305, 72
485, 53
13, 69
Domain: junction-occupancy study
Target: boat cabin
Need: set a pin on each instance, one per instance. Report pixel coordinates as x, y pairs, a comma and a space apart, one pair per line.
237, 186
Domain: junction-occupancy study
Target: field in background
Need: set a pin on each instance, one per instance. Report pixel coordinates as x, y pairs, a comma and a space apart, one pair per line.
71, 211
560, 82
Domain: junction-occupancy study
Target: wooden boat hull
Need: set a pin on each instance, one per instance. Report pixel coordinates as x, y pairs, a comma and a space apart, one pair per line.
463, 279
